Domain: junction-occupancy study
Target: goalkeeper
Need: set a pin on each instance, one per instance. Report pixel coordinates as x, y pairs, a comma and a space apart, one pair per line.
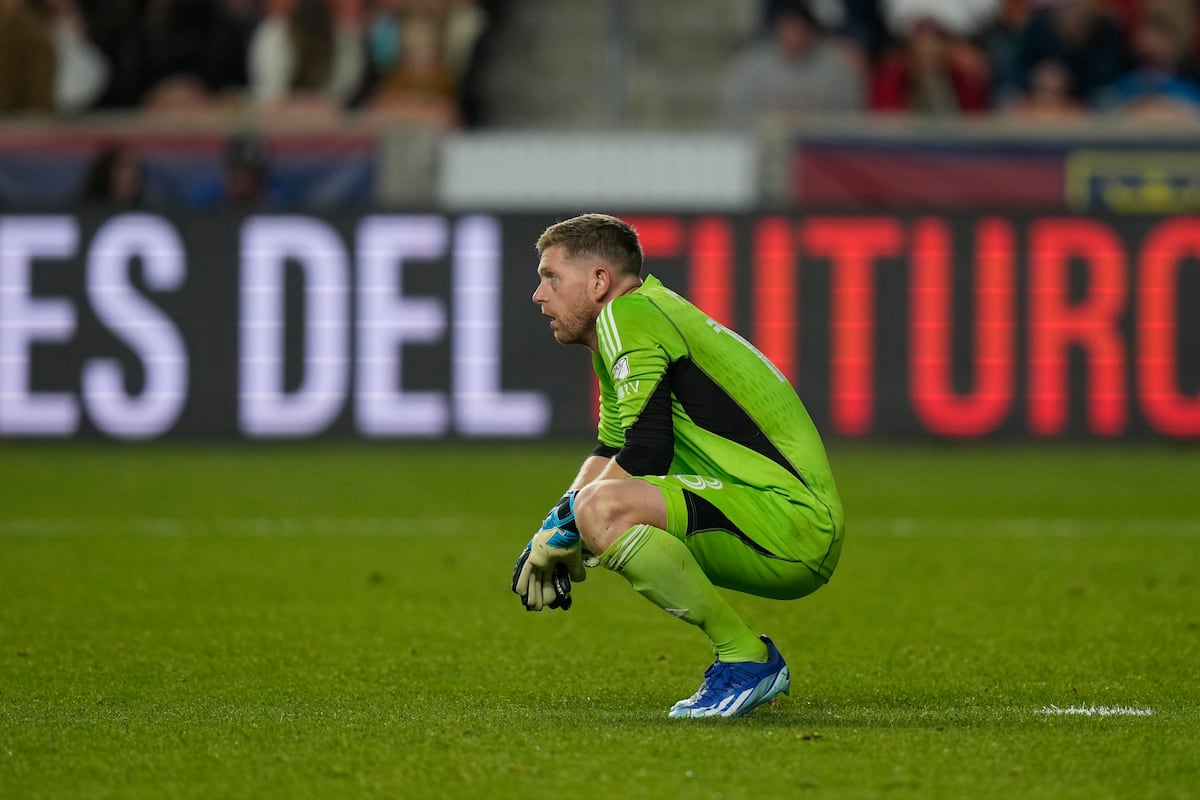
708, 471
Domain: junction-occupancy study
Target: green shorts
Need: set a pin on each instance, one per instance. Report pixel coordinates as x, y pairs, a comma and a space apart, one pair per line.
748, 539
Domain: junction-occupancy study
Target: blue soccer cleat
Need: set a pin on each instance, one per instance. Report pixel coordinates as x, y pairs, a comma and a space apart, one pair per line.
734, 689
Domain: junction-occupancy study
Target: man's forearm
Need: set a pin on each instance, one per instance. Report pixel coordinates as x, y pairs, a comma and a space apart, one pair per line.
596, 468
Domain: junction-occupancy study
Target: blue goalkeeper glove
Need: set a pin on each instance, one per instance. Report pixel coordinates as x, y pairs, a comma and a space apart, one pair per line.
552, 559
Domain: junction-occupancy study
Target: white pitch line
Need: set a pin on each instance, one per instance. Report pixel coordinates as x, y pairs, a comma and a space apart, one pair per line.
1096, 711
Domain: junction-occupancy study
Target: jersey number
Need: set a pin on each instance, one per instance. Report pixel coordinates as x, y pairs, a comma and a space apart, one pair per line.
698, 482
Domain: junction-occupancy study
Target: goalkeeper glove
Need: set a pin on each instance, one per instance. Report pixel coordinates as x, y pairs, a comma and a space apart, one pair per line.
541, 590
552, 559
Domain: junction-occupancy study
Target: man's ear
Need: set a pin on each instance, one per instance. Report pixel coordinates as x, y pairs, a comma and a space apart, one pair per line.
601, 281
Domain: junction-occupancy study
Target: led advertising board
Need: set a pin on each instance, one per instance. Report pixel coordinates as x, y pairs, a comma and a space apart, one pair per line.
402, 326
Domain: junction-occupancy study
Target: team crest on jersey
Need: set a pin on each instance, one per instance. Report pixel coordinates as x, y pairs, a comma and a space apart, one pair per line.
620, 370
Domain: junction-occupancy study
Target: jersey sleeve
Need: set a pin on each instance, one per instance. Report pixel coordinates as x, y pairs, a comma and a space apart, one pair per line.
608, 430
634, 353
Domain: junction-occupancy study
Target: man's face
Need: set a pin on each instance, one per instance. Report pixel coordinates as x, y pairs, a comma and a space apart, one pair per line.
794, 36
562, 294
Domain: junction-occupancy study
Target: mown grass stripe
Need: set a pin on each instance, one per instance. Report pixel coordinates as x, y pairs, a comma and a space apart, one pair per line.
889, 527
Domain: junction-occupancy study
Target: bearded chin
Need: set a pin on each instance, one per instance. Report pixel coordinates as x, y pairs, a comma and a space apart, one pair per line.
567, 337
572, 330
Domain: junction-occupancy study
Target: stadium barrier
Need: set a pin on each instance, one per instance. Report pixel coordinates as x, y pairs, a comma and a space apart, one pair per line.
850, 164
401, 326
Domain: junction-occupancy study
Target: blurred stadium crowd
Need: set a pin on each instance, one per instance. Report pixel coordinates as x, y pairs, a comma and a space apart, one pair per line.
314, 57
414, 57
1057, 58
446, 66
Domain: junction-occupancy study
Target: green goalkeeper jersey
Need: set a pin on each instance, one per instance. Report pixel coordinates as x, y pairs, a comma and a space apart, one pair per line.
681, 394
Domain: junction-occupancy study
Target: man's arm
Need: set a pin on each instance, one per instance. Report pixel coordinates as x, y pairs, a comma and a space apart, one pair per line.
597, 467
610, 469
543, 574
649, 443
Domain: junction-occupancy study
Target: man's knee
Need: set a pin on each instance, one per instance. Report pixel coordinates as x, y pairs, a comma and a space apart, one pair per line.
605, 510
596, 507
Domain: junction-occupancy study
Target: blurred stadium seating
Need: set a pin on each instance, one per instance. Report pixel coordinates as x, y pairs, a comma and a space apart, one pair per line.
611, 87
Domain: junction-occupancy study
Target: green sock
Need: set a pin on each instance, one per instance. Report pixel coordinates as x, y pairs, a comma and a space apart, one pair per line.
663, 570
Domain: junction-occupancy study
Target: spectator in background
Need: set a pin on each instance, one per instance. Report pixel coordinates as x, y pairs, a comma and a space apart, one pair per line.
27, 60
383, 35
858, 21
1081, 35
1050, 98
115, 179
1159, 85
1001, 41
81, 70
247, 183
962, 19
472, 90
864, 25
465, 23
931, 72
184, 56
459, 25
797, 69
114, 26
414, 77
244, 16
1183, 15
307, 54
244, 180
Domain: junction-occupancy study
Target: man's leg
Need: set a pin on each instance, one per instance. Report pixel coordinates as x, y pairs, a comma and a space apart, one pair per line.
640, 526
661, 569
625, 522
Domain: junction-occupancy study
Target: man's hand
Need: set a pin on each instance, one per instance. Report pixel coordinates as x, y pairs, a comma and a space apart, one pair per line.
543, 575
542, 590
552, 559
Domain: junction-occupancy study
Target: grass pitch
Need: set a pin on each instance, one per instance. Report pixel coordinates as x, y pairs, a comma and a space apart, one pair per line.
335, 621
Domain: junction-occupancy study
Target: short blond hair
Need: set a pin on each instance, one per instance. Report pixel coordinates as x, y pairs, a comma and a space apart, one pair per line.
600, 235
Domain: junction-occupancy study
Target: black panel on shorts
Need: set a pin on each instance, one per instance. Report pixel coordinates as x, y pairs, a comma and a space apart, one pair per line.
704, 516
